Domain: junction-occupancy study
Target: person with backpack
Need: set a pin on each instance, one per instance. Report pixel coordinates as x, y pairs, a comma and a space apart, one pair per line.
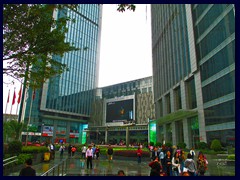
189, 164
110, 153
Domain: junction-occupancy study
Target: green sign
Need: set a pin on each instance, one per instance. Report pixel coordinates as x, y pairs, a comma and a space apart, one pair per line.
152, 132
84, 134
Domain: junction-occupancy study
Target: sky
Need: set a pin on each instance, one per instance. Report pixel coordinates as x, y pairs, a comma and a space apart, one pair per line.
125, 52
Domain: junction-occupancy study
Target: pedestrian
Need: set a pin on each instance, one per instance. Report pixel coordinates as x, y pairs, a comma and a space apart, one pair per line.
192, 152
28, 170
73, 149
168, 163
89, 156
176, 164
190, 165
155, 167
97, 152
121, 173
201, 165
61, 150
52, 151
70, 150
84, 149
110, 153
139, 155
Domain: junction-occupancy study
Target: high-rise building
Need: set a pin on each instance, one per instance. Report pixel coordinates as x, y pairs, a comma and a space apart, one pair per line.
60, 110
193, 50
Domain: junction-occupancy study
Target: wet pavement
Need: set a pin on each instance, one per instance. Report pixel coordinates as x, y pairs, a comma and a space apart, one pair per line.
102, 167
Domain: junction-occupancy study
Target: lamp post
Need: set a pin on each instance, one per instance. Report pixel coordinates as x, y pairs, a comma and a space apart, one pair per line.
42, 132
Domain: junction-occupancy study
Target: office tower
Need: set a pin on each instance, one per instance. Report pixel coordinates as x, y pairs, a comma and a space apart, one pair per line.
61, 109
193, 50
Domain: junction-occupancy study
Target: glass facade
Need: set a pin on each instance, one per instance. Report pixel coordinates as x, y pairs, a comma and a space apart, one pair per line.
214, 30
65, 101
193, 49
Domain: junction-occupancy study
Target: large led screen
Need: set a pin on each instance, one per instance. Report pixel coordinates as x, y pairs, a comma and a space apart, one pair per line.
118, 111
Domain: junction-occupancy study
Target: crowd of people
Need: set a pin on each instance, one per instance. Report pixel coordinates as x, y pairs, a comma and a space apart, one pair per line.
168, 161
165, 161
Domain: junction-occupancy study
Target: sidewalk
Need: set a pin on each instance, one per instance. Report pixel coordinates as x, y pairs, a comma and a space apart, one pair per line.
102, 167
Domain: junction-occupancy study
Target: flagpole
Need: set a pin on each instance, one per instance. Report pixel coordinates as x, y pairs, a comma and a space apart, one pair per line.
29, 117
19, 98
13, 100
7, 101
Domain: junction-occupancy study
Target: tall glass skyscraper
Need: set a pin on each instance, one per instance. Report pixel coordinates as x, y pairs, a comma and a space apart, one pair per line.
61, 109
193, 50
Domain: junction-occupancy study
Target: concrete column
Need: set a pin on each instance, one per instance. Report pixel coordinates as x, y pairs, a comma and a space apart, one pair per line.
127, 136
164, 133
186, 136
174, 141
106, 136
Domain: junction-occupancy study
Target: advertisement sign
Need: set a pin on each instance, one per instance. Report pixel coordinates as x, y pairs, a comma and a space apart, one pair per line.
47, 131
152, 131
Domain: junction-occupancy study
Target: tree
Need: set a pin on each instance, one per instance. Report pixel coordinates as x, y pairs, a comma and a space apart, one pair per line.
31, 37
123, 7
12, 129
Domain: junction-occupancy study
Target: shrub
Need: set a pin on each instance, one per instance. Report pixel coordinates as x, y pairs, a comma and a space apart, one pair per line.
231, 157
23, 157
14, 147
130, 153
202, 145
34, 149
168, 144
182, 145
151, 143
216, 145
158, 144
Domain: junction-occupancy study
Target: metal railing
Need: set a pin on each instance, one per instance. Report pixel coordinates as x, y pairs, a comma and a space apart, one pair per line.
59, 169
10, 160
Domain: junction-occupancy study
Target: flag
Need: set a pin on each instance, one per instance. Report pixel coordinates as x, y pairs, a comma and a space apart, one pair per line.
14, 97
19, 95
34, 93
8, 96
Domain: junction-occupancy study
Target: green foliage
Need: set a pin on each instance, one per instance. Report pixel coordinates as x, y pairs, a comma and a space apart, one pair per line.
158, 144
231, 150
168, 144
123, 7
130, 153
27, 44
34, 149
202, 145
182, 145
216, 145
12, 129
14, 147
231, 157
151, 143
23, 157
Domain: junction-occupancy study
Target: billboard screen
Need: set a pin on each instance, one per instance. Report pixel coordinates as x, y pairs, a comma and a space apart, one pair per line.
118, 111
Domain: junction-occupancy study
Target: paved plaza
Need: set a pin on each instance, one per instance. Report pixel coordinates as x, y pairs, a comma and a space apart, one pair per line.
102, 167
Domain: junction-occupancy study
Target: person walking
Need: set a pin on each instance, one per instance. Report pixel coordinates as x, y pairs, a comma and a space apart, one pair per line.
89, 156
190, 165
28, 170
97, 152
176, 164
84, 149
110, 153
192, 152
201, 165
61, 150
139, 155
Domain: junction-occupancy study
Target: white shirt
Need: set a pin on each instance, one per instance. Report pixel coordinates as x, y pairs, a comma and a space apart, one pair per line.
89, 152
